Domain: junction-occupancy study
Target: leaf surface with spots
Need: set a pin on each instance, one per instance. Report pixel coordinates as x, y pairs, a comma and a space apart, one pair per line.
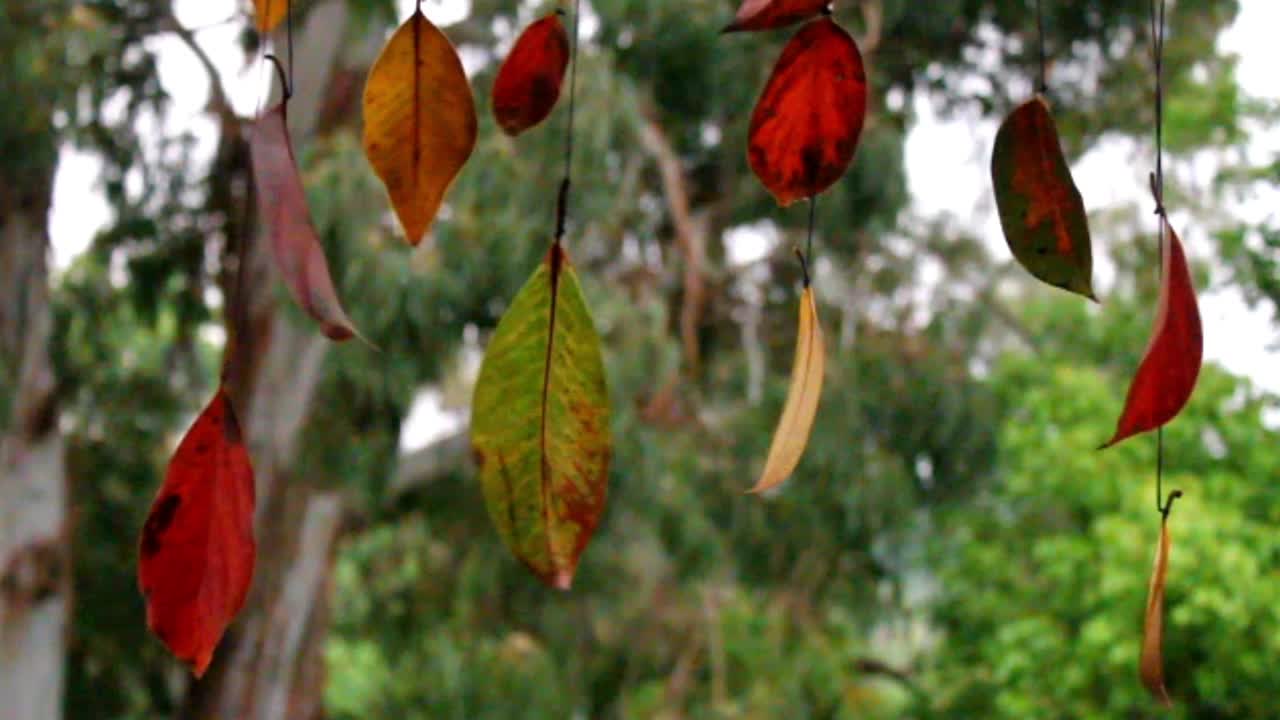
419, 121
756, 15
197, 551
540, 423
528, 83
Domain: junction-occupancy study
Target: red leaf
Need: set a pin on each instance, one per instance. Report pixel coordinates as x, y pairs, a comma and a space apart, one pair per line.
282, 203
805, 128
197, 551
1171, 365
770, 14
528, 84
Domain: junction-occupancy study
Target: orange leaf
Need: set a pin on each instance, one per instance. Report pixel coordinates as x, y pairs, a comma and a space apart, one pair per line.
419, 121
197, 551
805, 128
1151, 666
770, 14
792, 433
1171, 365
269, 13
282, 203
528, 83
1041, 211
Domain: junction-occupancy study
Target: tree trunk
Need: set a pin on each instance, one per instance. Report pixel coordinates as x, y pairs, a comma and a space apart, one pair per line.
35, 578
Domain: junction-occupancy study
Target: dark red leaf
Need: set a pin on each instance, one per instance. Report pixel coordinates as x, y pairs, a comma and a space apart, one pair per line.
528, 83
1171, 365
805, 128
282, 203
197, 551
770, 14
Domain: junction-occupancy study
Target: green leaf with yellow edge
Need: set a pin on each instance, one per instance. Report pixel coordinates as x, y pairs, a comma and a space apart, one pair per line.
1041, 211
540, 423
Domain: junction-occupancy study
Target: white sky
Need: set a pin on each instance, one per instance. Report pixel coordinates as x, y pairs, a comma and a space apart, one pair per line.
1112, 174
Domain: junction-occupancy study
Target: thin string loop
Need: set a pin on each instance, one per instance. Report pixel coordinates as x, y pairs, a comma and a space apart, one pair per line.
562, 198
1158, 8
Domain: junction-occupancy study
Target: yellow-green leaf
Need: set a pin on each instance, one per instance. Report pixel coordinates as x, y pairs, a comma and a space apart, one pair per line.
1041, 210
269, 13
540, 424
792, 433
419, 121
1151, 666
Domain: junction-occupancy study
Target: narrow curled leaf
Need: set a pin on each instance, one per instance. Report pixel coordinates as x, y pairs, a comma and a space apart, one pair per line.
282, 204
806, 125
1041, 210
1171, 365
540, 424
770, 14
1151, 665
419, 121
197, 551
268, 14
792, 433
528, 83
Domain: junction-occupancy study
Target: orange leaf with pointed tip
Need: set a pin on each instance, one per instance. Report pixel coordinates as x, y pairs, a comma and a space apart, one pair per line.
770, 14
792, 433
528, 83
1169, 370
197, 551
1041, 211
282, 203
1151, 665
419, 121
805, 128
269, 13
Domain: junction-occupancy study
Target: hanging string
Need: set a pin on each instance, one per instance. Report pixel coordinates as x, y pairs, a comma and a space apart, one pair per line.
562, 200
806, 257
1163, 505
286, 78
1044, 72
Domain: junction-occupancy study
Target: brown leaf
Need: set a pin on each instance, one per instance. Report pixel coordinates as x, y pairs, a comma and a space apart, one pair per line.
419, 121
528, 83
1151, 666
282, 203
770, 14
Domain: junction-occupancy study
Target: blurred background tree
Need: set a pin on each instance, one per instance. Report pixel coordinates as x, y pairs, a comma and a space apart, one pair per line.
951, 546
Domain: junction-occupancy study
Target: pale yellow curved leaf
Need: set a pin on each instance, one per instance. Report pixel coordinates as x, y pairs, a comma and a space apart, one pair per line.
1151, 666
792, 433
419, 121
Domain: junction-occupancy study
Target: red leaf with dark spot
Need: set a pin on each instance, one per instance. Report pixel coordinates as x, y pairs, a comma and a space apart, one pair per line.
1171, 365
770, 14
805, 128
528, 84
282, 203
197, 551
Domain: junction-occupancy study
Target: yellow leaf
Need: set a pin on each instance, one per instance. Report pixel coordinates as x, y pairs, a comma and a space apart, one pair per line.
792, 434
269, 13
419, 121
1151, 666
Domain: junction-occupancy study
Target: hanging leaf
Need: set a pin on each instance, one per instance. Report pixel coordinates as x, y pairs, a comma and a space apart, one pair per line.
1041, 211
805, 128
792, 433
528, 84
769, 14
197, 551
1151, 666
268, 14
540, 424
419, 121
1171, 365
282, 204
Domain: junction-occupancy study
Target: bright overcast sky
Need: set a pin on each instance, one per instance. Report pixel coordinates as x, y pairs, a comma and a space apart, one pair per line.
1112, 174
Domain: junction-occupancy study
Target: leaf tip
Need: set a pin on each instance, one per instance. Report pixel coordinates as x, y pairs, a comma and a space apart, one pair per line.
561, 580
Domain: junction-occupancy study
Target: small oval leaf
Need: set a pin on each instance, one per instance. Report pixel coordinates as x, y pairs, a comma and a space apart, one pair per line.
1041, 211
754, 15
1169, 370
540, 424
419, 121
528, 83
806, 125
282, 204
792, 433
1151, 665
268, 14
197, 551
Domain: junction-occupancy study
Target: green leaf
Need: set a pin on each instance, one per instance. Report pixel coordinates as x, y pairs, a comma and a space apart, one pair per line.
540, 423
1041, 211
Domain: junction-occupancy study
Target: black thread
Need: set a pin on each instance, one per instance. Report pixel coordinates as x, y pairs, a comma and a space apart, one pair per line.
562, 201
1044, 62
1158, 13
806, 258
